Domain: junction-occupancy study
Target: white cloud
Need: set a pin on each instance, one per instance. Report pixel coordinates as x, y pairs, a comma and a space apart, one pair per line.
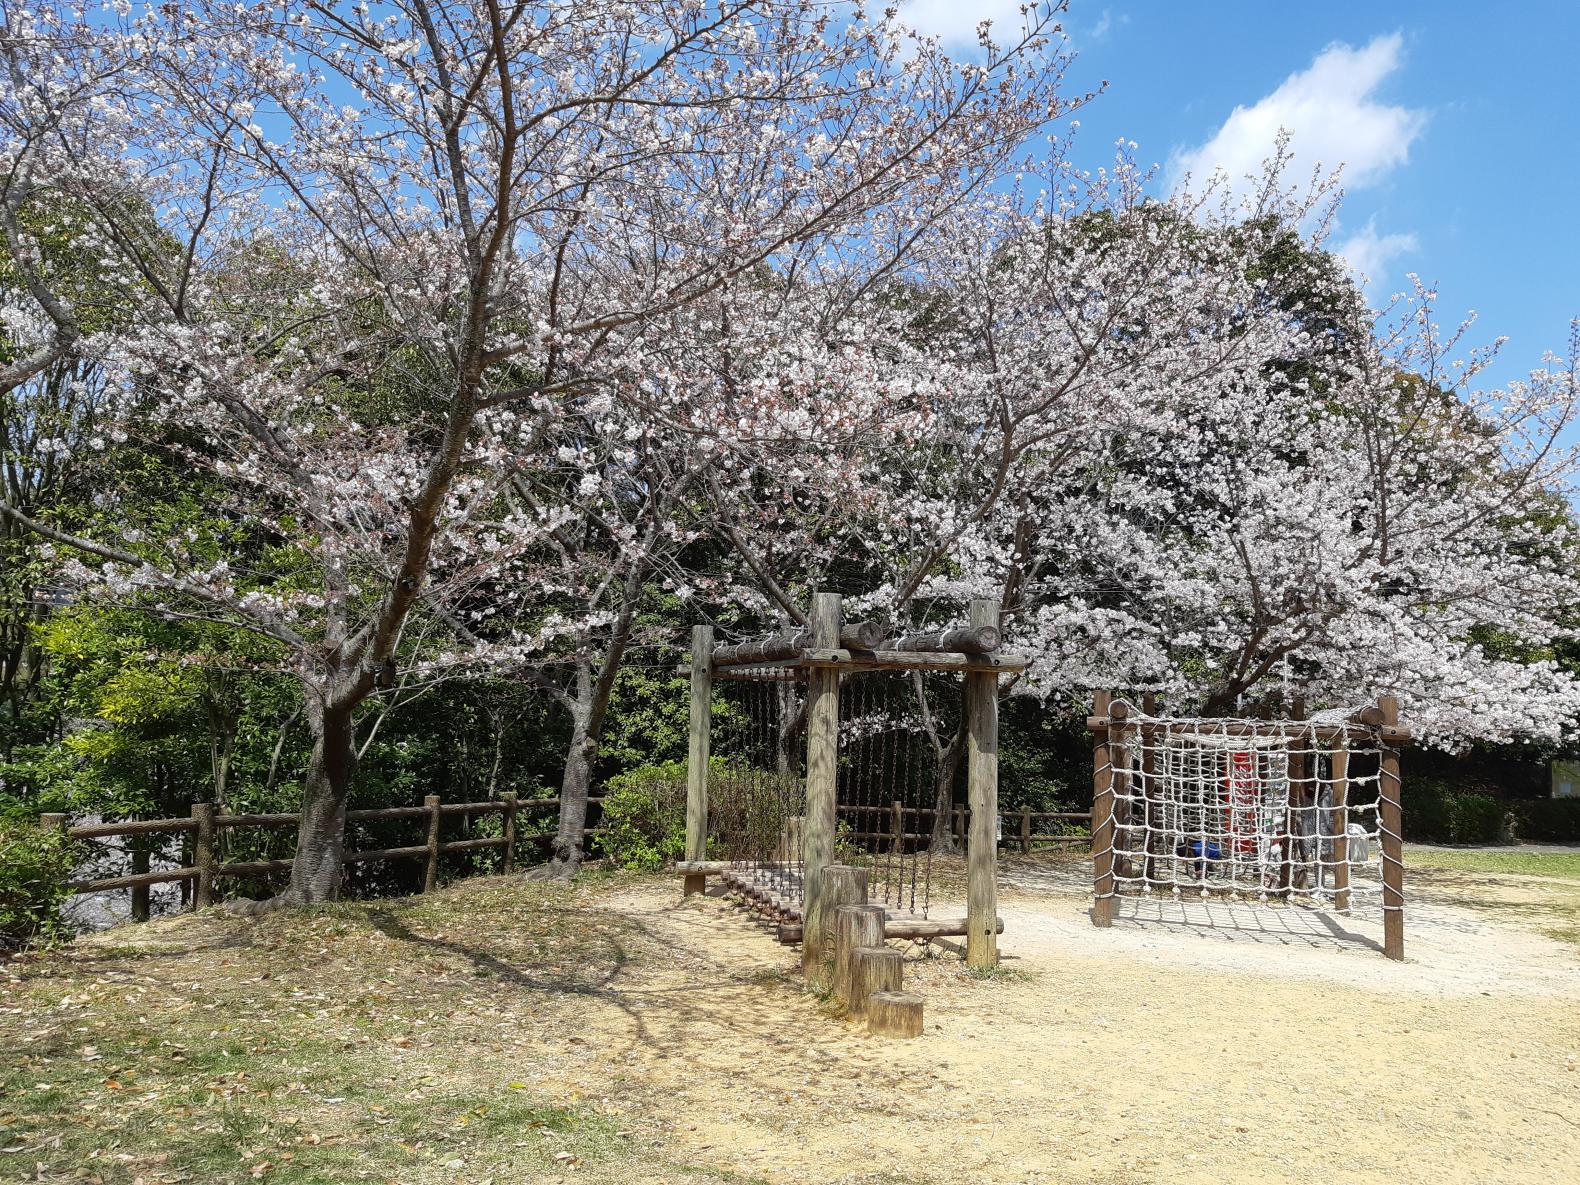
955, 23
1105, 24
1330, 115
1368, 253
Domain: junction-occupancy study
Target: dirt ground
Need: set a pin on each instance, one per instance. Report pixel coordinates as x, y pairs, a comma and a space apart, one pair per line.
1276, 1045
500, 1031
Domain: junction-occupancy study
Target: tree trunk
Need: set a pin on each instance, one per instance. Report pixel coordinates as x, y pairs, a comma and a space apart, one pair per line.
575, 784
943, 840
588, 710
321, 835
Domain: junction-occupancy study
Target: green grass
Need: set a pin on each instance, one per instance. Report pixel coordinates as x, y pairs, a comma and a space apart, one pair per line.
367, 1041
1561, 865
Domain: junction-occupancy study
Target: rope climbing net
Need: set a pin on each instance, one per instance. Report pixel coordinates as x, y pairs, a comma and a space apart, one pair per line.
1294, 810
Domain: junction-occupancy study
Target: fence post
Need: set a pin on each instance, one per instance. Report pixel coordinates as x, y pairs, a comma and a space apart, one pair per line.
898, 809
1025, 830
140, 863
697, 754
430, 879
982, 787
1102, 816
510, 831
203, 854
1390, 824
822, 776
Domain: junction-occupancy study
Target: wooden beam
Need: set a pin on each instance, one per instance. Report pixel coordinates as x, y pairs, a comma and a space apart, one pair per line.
1102, 819
855, 635
911, 660
1390, 823
978, 638
697, 753
822, 777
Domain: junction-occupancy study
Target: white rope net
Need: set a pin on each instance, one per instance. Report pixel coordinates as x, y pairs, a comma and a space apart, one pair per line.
1249, 809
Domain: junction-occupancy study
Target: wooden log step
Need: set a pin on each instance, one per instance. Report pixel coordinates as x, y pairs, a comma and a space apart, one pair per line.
894, 1014
855, 927
873, 970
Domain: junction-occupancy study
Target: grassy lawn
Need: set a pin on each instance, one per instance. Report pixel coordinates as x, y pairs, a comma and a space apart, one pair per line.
1562, 865
380, 1041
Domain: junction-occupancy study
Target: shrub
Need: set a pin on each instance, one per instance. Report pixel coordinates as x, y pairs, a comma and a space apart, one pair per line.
1432, 811
35, 866
644, 816
1550, 820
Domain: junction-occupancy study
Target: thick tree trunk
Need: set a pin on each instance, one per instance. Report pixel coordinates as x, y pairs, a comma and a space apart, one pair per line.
943, 839
321, 834
575, 784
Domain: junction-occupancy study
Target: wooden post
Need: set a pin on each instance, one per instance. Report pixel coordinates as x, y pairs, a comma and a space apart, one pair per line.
838, 884
1340, 762
1025, 830
1390, 822
894, 1014
897, 808
873, 969
982, 788
430, 877
855, 926
1103, 903
140, 902
697, 754
510, 800
960, 825
822, 777
203, 854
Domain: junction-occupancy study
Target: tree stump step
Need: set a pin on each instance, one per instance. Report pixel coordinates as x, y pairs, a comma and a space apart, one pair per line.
894, 1014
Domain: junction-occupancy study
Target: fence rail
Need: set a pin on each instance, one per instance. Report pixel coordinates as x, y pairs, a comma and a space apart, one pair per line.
1027, 838
204, 824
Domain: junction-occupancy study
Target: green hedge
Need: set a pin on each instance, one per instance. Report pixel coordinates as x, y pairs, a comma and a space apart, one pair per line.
1547, 820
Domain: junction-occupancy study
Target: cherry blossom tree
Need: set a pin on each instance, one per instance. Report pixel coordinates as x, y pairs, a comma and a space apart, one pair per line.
377, 254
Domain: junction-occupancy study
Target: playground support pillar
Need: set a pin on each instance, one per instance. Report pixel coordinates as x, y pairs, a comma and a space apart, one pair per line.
1390, 820
982, 789
822, 778
697, 753
1102, 818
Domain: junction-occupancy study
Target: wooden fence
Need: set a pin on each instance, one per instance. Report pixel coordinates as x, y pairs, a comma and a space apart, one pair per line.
204, 825
1027, 838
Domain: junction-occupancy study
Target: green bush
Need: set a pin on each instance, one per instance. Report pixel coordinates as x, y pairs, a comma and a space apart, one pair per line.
1547, 820
644, 816
35, 866
1436, 812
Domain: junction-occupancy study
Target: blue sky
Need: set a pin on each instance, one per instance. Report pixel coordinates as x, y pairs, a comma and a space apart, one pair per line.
1458, 125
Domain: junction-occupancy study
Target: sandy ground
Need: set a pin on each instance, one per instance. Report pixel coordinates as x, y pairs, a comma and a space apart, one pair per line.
1276, 1045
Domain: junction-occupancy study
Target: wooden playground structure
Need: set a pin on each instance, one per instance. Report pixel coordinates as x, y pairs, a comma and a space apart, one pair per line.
814, 835
1302, 811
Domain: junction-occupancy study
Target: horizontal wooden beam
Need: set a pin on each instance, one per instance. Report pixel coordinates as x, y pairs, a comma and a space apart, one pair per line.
912, 929
858, 635
912, 660
975, 639
1288, 730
